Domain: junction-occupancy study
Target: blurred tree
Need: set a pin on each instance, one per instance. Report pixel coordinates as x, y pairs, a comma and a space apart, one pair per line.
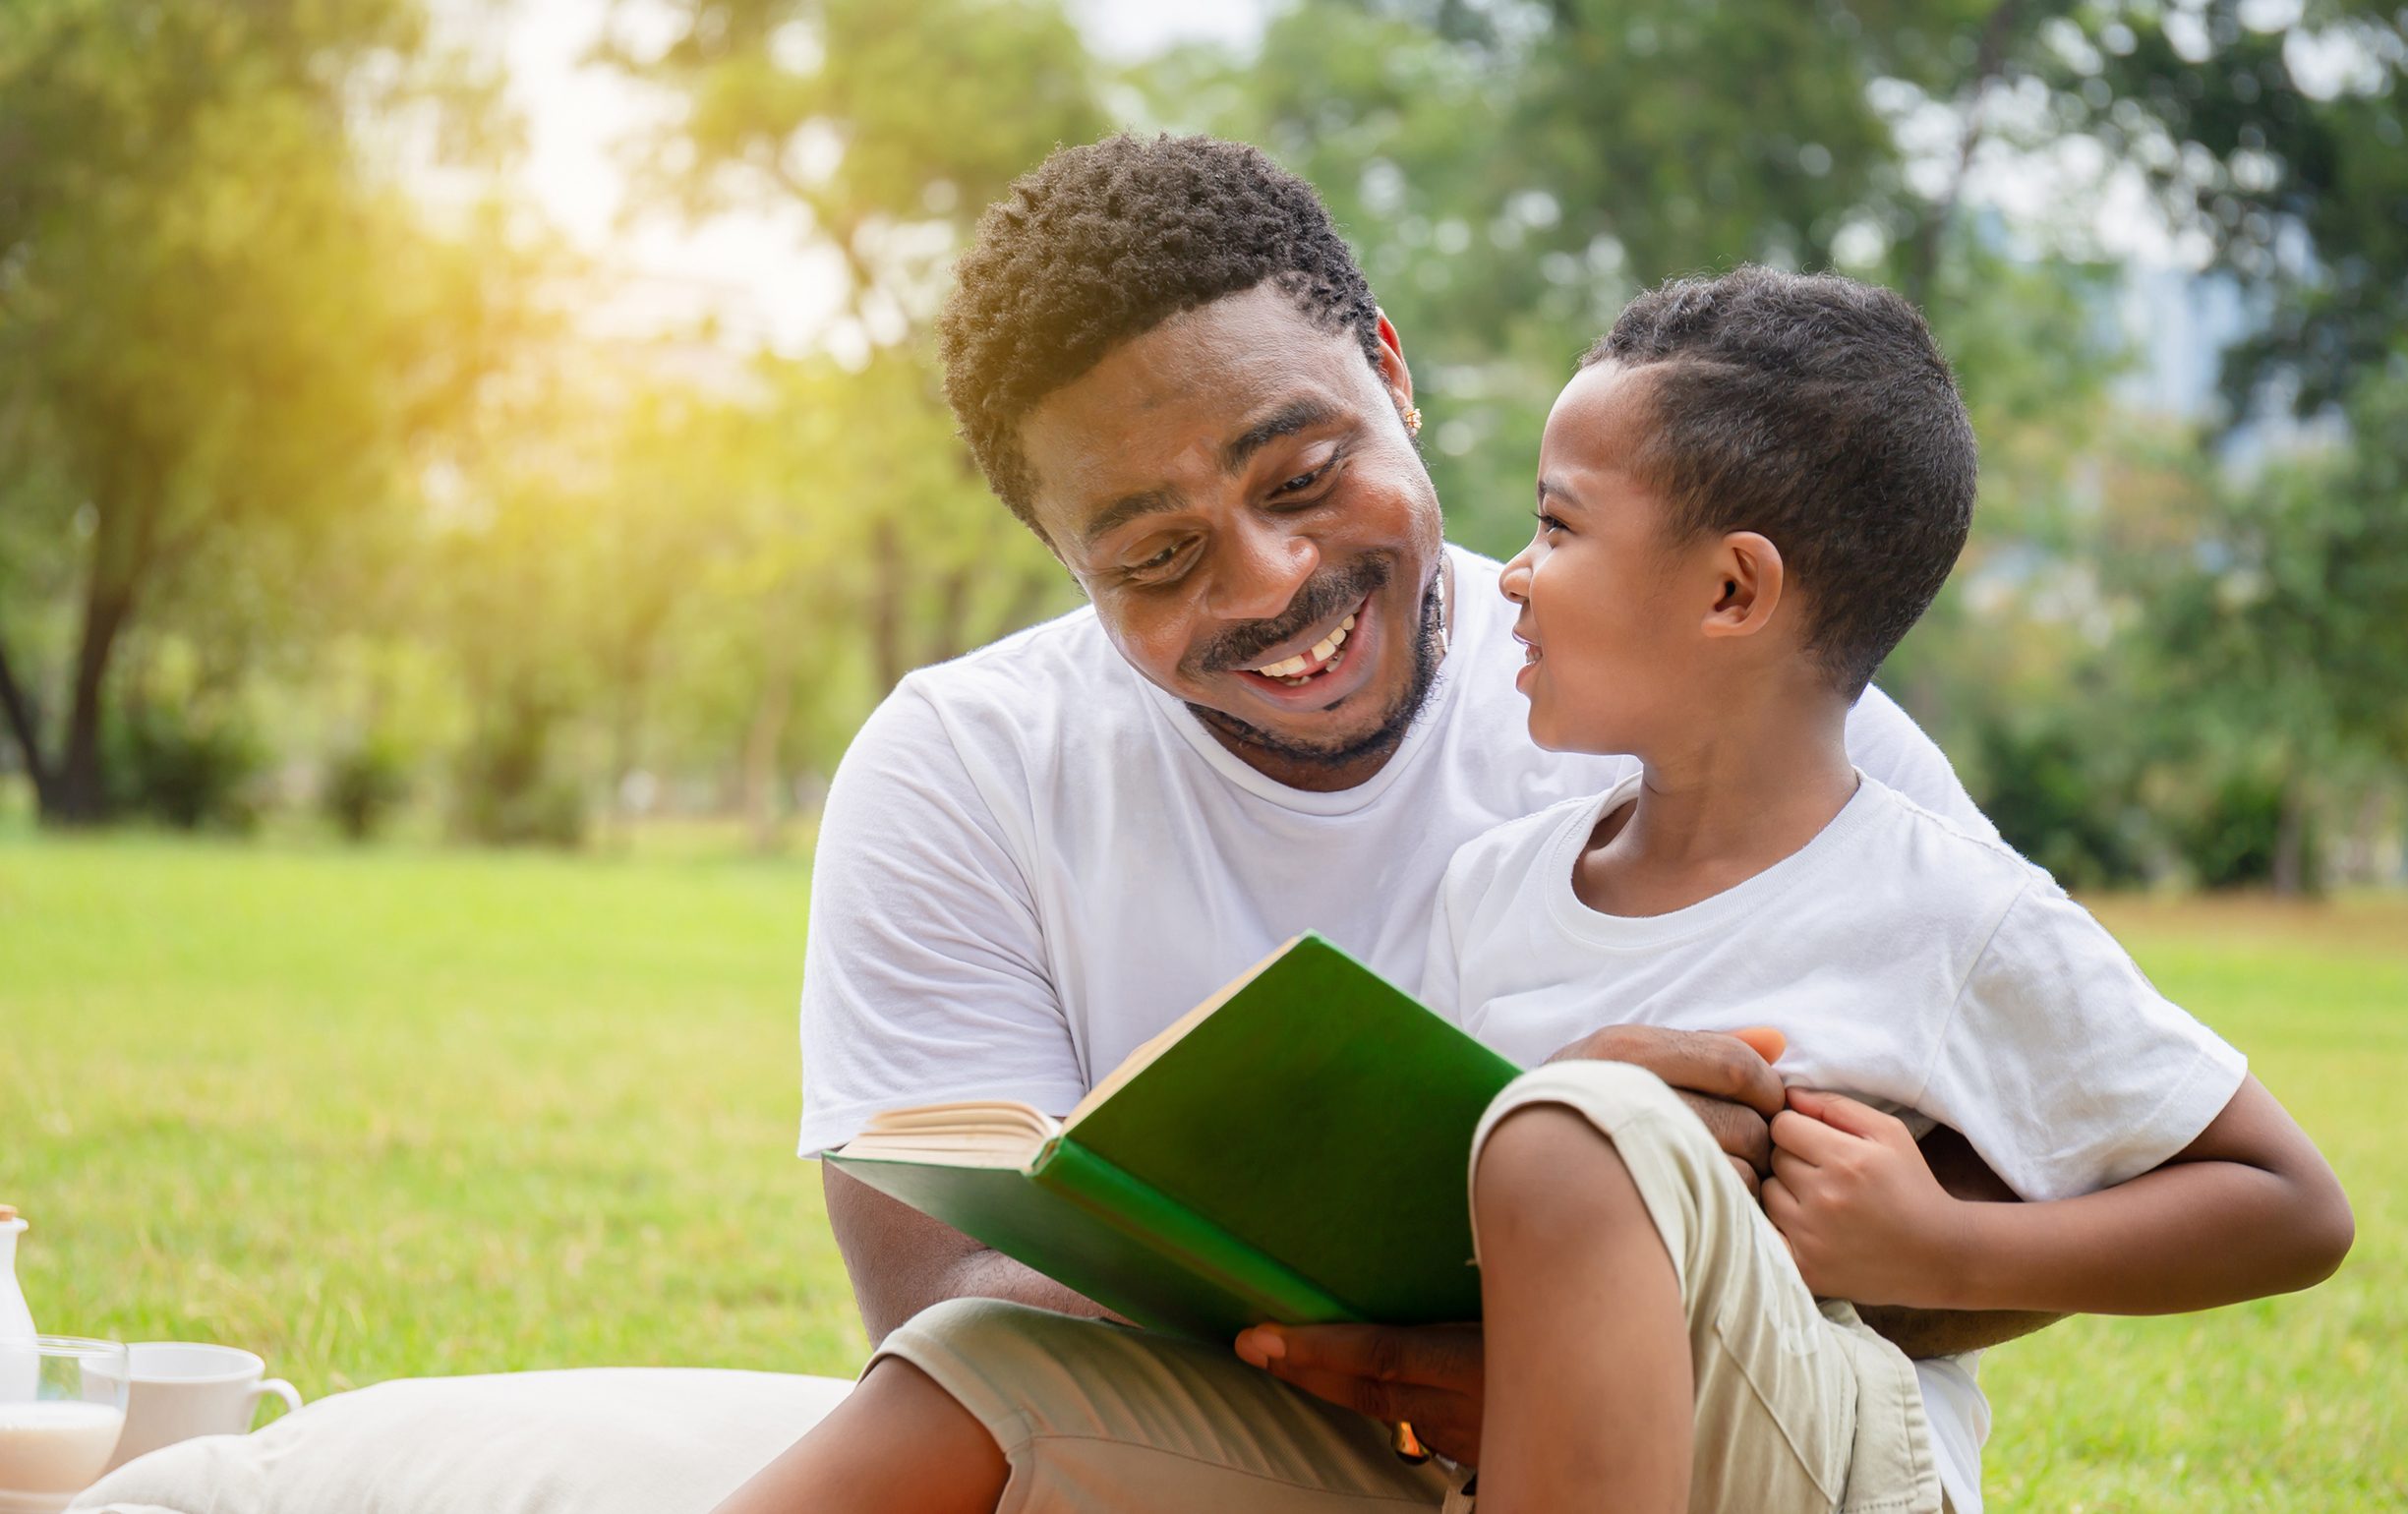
890, 127
214, 322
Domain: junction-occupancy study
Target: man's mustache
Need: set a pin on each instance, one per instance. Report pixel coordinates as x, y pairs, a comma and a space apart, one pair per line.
1324, 594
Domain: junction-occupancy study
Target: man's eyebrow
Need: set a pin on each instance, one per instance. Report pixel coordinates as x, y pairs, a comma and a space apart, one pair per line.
1121, 511
1286, 421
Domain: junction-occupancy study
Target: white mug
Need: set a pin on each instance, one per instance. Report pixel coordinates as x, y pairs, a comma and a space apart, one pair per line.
179, 1389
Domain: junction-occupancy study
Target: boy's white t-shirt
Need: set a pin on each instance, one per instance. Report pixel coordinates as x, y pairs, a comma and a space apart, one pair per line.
1912, 962
1033, 859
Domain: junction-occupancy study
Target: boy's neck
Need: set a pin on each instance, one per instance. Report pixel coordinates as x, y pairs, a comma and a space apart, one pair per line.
1751, 786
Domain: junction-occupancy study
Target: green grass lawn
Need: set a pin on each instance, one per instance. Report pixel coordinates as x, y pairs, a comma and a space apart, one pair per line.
409, 1112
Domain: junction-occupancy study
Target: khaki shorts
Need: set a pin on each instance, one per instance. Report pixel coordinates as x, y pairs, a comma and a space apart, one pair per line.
1799, 1405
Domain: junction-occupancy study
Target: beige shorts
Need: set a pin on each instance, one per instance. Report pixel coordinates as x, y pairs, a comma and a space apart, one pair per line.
1799, 1405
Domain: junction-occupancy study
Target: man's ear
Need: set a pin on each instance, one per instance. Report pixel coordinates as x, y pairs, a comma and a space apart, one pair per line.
1392, 370
1749, 580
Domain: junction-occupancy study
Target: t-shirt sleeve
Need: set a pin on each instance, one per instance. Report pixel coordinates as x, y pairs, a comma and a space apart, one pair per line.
924, 974
1886, 742
2063, 1066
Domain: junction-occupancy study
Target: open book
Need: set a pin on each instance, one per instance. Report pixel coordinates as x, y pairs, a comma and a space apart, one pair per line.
1292, 1149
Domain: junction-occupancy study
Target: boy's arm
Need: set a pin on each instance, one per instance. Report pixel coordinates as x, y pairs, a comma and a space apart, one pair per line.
1948, 1332
2247, 1209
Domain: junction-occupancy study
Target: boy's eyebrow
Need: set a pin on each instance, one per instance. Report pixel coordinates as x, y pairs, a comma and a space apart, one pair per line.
1550, 490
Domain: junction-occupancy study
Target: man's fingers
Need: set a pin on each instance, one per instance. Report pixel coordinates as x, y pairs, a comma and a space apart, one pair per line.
1764, 1040
1739, 1129
1840, 1112
1380, 1353
1706, 1062
1747, 1177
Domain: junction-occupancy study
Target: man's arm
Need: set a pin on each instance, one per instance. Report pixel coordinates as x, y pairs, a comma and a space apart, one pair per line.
901, 1260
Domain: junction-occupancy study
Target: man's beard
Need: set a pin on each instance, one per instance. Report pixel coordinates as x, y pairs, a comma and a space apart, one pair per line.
1312, 604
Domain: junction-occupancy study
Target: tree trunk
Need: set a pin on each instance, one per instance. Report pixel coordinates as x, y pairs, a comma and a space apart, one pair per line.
80, 795
886, 608
25, 727
766, 735
2291, 844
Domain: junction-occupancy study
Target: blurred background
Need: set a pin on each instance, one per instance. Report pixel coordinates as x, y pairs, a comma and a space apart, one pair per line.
520, 424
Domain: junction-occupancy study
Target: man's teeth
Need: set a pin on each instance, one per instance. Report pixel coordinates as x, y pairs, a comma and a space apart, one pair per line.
1322, 652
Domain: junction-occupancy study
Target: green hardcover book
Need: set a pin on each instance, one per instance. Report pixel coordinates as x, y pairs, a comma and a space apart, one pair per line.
1292, 1149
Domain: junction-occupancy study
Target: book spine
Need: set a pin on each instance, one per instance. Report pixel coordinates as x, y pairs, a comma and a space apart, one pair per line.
1186, 1239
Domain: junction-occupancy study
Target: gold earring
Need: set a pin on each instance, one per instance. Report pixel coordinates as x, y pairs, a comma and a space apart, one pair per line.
1413, 422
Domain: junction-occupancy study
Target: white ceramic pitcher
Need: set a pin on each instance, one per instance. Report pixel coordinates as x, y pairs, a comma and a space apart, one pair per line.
15, 1319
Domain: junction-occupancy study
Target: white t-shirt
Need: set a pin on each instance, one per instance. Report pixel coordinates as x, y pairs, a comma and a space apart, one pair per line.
1920, 967
1033, 859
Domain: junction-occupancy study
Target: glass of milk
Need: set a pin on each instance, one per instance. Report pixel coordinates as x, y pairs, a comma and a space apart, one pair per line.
62, 1403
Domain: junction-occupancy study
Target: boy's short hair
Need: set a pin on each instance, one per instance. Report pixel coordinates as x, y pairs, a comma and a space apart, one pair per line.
1103, 243
1818, 412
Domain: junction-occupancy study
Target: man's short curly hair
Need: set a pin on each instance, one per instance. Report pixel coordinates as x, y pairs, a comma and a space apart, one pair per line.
1103, 243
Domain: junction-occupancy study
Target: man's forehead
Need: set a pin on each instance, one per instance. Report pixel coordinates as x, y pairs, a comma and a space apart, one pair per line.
1198, 393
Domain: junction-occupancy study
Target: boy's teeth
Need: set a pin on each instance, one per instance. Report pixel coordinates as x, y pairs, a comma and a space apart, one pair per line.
1323, 651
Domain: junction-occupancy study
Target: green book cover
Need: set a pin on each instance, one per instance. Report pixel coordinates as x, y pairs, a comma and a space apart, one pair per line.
1292, 1151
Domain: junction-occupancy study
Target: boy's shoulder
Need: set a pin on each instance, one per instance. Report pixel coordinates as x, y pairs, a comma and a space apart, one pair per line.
1508, 853
1935, 863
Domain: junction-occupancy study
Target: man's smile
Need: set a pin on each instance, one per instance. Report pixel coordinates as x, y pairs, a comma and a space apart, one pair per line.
1309, 655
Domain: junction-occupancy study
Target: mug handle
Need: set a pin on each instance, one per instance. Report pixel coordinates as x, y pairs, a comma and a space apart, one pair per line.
281, 1389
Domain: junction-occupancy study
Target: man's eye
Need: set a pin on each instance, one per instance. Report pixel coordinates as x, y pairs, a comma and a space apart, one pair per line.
1303, 481
1158, 565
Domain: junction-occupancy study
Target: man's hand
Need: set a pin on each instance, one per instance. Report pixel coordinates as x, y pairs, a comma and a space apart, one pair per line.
1427, 1375
1727, 1080
1850, 1194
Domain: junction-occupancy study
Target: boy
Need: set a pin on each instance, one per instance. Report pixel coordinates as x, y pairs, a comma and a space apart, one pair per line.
1751, 491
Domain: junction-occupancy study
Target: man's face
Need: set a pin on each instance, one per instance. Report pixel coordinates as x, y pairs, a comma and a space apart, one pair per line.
1237, 493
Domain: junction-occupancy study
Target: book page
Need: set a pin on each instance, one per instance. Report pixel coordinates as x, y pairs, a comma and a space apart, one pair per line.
1139, 1060
973, 1133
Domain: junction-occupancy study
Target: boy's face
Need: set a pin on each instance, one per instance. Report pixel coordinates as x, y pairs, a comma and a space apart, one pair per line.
1614, 612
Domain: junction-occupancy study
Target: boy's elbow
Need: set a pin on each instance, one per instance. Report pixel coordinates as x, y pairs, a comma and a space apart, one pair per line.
2325, 1232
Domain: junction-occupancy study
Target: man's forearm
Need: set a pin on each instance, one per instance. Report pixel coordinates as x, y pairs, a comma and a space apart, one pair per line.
1945, 1332
978, 1274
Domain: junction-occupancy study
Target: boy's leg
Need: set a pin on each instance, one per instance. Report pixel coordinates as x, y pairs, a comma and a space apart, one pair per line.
1796, 1406
1585, 1329
897, 1444
1083, 1418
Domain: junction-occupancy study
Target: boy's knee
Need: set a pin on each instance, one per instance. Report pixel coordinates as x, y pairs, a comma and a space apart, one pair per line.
1545, 1169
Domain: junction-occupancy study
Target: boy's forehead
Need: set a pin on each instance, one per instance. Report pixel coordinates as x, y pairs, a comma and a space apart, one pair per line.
1600, 417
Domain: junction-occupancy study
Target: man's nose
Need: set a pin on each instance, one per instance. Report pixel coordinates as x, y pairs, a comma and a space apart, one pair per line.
1267, 563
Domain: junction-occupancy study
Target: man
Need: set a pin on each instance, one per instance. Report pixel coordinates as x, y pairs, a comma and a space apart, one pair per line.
1286, 705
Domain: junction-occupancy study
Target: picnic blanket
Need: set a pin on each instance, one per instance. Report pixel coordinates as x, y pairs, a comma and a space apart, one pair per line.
596, 1440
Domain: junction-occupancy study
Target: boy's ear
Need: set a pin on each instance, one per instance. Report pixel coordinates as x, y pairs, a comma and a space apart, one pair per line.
1749, 580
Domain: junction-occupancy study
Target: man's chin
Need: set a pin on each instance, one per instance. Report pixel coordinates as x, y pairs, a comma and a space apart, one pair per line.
1341, 734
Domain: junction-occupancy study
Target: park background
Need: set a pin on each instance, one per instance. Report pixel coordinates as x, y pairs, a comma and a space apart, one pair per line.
467, 470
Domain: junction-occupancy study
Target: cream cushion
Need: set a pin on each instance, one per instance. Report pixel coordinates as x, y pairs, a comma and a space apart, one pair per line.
599, 1440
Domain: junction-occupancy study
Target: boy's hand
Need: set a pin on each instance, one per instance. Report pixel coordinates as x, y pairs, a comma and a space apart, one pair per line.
1862, 1213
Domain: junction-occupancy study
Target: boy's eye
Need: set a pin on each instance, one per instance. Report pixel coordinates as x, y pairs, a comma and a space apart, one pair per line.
1548, 522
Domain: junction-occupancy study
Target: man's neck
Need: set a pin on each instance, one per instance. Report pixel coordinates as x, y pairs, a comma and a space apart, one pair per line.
1718, 810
